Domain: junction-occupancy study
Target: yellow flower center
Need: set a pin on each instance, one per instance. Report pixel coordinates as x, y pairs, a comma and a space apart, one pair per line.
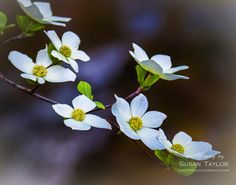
178, 148
66, 51
40, 71
136, 123
78, 115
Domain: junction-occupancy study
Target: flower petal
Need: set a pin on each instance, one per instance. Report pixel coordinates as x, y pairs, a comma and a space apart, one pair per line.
121, 109
71, 40
21, 62
81, 55
163, 140
96, 121
52, 35
40, 80
152, 67
59, 56
44, 8
170, 77
126, 129
58, 19
29, 77
149, 138
153, 119
25, 3
182, 138
139, 105
43, 58
176, 69
59, 74
63, 110
199, 150
74, 64
139, 53
76, 125
84, 103
163, 60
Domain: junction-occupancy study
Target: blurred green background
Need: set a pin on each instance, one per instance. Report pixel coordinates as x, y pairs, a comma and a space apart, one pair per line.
37, 149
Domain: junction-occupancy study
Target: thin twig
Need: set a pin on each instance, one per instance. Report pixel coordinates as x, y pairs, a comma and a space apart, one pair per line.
27, 90
20, 36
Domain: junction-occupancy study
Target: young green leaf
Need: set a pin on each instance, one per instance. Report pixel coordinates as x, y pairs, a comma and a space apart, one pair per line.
3, 19
182, 166
100, 105
85, 89
149, 81
141, 73
28, 26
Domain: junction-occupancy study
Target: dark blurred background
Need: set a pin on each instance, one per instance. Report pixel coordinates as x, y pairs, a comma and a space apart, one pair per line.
35, 146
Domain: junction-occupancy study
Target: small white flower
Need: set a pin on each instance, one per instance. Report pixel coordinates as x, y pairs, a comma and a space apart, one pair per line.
67, 49
183, 146
158, 65
137, 124
42, 69
76, 117
41, 12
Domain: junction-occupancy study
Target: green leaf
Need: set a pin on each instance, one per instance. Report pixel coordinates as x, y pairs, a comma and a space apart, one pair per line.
141, 73
3, 20
100, 105
149, 81
55, 61
183, 166
85, 89
180, 165
28, 26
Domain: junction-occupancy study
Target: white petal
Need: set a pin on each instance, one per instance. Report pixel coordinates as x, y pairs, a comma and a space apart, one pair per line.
40, 80
43, 58
139, 105
63, 110
55, 23
76, 125
44, 8
153, 119
29, 77
198, 150
163, 140
57, 74
163, 60
74, 64
176, 69
57, 19
170, 77
121, 109
96, 121
21, 62
182, 138
25, 3
152, 67
71, 40
59, 56
81, 55
126, 129
84, 103
52, 35
149, 138
139, 53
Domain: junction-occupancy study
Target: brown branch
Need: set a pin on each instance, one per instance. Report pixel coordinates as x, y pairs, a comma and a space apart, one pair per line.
30, 92
17, 37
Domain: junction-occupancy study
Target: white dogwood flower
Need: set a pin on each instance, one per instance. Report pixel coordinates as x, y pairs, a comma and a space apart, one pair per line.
77, 117
183, 146
41, 12
67, 49
158, 65
137, 124
42, 69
